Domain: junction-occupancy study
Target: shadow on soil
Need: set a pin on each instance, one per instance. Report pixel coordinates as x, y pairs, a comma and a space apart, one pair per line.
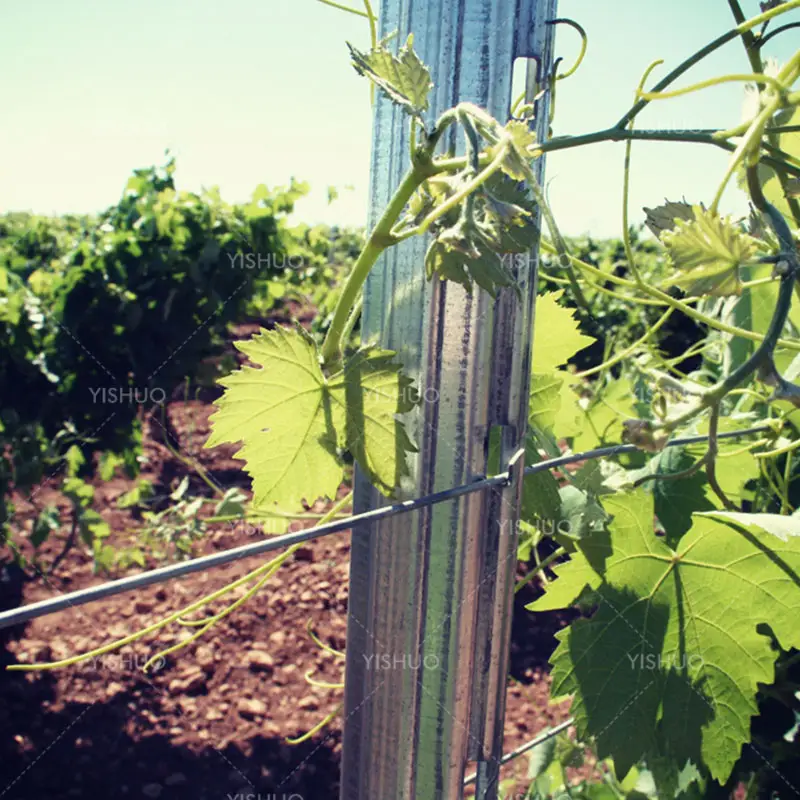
86, 750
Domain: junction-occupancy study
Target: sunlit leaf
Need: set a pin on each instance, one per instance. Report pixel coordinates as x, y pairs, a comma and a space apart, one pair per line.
516, 163
603, 422
556, 335
670, 663
545, 400
775, 524
708, 253
75, 460
294, 421
403, 78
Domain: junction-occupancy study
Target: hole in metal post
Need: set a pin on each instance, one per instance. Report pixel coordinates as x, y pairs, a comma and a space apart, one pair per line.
524, 87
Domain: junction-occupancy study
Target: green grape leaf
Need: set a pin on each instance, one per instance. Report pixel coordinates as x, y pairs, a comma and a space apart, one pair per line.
708, 253
79, 492
735, 466
675, 498
545, 400
181, 489
581, 514
569, 417
594, 475
456, 257
403, 78
670, 663
516, 163
431, 193
48, 521
282, 412
369, 394
540, 496
529, 536
553, 404
663, 218
754, 310
104, 555
556, 338
232, 504
506, 216
775, 524
603, 421
294, 422
419, 206
108, 464
556, 335
552, 783
75, 460
574, 577
734, 470
92, 527
138, 495
541, 757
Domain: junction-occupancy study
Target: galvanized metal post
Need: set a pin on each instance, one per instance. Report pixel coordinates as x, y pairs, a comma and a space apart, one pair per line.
431, 591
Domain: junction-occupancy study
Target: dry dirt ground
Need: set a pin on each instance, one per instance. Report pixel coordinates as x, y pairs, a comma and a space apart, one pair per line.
212, 722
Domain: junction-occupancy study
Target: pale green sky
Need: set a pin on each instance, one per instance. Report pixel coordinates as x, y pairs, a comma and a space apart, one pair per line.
253, 91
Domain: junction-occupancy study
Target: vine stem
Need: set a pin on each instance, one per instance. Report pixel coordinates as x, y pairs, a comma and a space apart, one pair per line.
711, 458
696, 87
380, 238
584, 45
174, 617
789, 448
777, 32
542, 565
748, 37
596, 287
626, 184
623, 134
318, 727
355, 314
463, 195
695, 58
560, 244
373, 26
753, 136
373, 36
753, 47
715, 395
786, 505
701, 136
357, 11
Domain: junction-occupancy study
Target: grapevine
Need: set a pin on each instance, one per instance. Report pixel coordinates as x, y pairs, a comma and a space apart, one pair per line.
687, 555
